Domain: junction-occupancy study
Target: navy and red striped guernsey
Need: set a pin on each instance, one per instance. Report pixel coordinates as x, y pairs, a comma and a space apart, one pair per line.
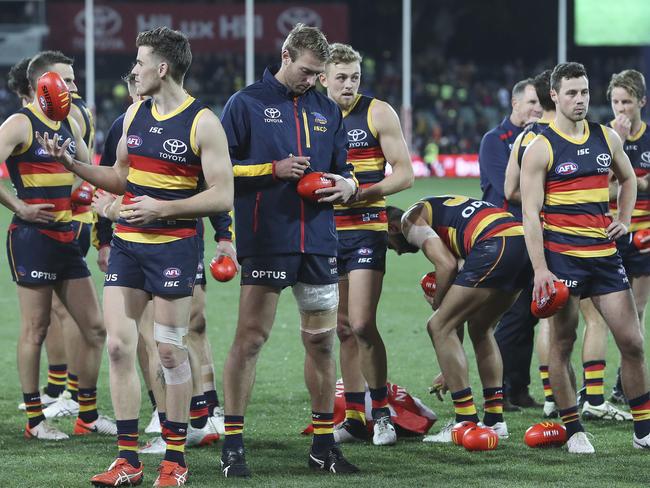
365, 154
38, 178
637, 148
165, 164
577, 192
529, 133
461, 222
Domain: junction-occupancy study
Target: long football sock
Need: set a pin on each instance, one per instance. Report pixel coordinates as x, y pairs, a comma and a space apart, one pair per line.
198, 411
127, 441
56, 378
88, 404
493, 406
234, 425
73, 386
548, 391
594, 382
174, 434
379, 397
323, 423
640, 407
33, 408
571, 421
464, 405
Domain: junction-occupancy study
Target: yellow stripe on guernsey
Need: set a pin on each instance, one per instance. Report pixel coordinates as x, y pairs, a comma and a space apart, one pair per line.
47, 179
371, 126
88, 217
146, 238
156, 115
517, 230
252, 169
157, 180
550, 151
597, 232
599, 253
194, 145
574, 197
369, 164
451, 232
378, 226
485, 222
381, 203
573, 140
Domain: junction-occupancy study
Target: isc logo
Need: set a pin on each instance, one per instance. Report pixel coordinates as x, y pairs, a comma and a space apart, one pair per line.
170, 284
583, 151
155, 130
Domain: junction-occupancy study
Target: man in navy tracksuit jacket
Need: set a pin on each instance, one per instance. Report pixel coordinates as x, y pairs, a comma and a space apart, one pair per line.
278, 129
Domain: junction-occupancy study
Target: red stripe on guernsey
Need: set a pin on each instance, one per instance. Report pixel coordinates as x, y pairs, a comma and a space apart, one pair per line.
302, 204
640, 171
365, 153
498, 228
67, 236
181, 233
557, 247
79, 209
443, 232
151, 165
60, 204
597, 182
583, 220
348, 220
474, 223
41, 168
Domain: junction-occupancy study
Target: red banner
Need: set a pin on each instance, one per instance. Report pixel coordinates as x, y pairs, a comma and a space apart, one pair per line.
210, 28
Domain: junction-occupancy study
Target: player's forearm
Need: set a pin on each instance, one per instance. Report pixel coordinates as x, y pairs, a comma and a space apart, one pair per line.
399, 180
9, 200
626, 199
100, 176
534, 240
208, 202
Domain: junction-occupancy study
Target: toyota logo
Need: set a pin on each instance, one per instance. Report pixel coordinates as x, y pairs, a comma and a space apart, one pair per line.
107, 21
72, 148
290, 17
272, 112
174, 146
604, 160
356, 135
645, 157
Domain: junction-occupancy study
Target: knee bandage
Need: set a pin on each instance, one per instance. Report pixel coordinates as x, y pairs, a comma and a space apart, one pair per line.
317, 304
170, 335
318, 321
179, 374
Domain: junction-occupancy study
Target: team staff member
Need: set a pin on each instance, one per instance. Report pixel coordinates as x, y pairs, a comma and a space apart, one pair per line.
565, 174
43, 252
154, 252
283, 240
626, 92
452, 227
374, 138
515, 331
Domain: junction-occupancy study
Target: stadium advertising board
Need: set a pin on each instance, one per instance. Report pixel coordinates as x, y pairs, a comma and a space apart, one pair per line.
210, 28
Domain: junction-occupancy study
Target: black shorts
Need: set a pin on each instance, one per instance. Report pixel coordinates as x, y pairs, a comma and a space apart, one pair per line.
82, 232
362, 250
634, 262
282, 270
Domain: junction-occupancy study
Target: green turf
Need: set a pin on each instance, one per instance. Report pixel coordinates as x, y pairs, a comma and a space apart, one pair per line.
279, 409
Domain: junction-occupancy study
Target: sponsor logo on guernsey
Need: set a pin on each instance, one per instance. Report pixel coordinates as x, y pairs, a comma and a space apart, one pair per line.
272, 115
365, 251
604, 160
42, 152
172, 273
566, 168
357, 138
72, 148
645, 159
174, 150
133, 141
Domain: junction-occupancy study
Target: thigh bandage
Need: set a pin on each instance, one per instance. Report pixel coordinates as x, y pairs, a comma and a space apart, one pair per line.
170, 335
318, 306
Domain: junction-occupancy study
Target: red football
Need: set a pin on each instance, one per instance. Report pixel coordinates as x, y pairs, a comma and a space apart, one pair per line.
223, 268
459, 430
480, 439
549, 305
545, 434
53, 96
639, 237
428, 283
311, 182
83, 194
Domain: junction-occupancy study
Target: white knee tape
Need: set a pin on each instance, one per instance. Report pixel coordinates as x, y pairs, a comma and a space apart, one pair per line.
318, 322
316, 297
178, 375
170, 335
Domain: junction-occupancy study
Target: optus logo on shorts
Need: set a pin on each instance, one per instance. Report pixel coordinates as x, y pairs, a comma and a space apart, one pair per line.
172, 273
567, 168
133, 141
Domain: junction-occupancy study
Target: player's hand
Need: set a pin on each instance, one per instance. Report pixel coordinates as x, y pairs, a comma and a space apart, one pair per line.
36, 213
102, 258
102, 203
142, 210
342, 191
291, 168
226, 248
439, 387
543, 284
622, 125
52, 147
616, 229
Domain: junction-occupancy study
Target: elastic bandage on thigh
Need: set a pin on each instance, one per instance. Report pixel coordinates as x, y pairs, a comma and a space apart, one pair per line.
318, 321
170, 335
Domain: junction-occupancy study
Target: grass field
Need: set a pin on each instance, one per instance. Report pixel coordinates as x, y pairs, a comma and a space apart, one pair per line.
279, 409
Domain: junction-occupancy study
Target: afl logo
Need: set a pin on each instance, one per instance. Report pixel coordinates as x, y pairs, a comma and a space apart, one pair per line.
567, 168
172, 273
174, 146
645, 157
365, 251
356, 135
272, 112
42, 152
604, 160
133, 141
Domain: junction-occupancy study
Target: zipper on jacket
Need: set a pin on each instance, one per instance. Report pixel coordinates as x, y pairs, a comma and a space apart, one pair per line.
297, 119
256, 210
302, 203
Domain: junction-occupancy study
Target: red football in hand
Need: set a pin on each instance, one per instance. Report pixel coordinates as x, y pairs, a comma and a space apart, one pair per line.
545, 434
311, 182
428, 284
459, 430
480, 439
639, 237
83, 194
53, 96
223, 268
549, 305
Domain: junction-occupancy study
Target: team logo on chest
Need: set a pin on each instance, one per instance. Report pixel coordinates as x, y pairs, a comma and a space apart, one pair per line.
174, 150
567, 168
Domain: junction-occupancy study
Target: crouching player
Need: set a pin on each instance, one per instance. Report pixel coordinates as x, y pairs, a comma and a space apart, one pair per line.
496, 268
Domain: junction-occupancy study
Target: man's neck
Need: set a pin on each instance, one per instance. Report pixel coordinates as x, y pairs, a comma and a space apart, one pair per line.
636, 126
547, 116
280, 76
569, 127
514, 120
169, 98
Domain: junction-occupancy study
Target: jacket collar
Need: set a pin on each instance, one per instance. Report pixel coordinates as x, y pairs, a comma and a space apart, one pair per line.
269, 79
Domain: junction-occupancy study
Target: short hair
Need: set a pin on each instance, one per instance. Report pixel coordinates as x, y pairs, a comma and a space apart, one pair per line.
42, 62
631, 80
542, 84
171, 45
403, 245
305, 38
566, 70
343, 54
17, 78
520, 87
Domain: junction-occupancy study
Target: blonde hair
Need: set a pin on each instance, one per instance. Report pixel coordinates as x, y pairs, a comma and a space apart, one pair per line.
631, 80
305, 38
343, 54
